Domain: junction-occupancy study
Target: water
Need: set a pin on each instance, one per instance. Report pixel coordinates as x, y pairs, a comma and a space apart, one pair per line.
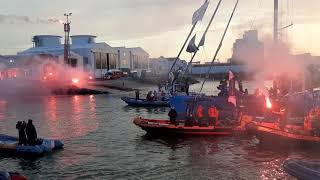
101, 142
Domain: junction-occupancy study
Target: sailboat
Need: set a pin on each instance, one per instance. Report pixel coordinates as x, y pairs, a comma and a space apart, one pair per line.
163, 99
201, 115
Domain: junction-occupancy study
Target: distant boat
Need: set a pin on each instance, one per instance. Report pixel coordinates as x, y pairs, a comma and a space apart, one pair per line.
145, 103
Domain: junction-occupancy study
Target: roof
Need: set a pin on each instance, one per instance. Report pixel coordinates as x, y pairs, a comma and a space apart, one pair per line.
137, 50
96, 47
83, 35
47, 36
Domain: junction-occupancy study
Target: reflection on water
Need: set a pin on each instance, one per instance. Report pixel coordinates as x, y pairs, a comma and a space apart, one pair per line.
101, 142
53, 116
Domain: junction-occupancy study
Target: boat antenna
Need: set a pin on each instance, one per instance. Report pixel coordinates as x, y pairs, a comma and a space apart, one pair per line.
197, 16
220, 45
201, 42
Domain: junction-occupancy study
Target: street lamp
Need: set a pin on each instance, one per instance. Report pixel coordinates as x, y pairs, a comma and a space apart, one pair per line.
66, 26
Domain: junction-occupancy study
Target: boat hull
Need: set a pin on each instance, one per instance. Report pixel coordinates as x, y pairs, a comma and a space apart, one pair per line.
163, 127
270, 133
302, 169
9, 146
144, 102
4, 175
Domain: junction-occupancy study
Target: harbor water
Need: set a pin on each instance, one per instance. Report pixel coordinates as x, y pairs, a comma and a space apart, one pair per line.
101, 142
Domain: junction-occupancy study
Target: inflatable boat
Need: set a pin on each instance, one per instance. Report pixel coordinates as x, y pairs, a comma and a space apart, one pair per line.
4, 175
163, 127
10, 145
145, 103
302, 169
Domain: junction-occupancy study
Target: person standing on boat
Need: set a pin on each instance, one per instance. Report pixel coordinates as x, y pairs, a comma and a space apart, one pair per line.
137, 94
173, 115
31, 133
22, 134
149, 96
155, 95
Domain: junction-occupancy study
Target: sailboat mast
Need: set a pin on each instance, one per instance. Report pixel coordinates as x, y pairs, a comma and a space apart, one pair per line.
204, 35
275, 20
196, 17
184, 44
220, 45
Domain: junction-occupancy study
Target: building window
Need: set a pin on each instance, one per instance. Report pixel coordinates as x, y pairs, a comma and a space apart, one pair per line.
73, 62
103, 61
85, 60
97, 59
112, 61
135, 62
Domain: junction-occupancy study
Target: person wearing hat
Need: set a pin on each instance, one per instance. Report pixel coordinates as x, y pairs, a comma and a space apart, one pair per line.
31, 133
172, 115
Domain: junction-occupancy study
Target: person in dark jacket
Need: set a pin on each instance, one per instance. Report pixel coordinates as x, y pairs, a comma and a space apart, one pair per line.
172, 115
137, 94
22, 134
31, 133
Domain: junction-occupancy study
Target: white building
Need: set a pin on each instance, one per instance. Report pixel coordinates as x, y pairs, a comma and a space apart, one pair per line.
94, 58
162, 65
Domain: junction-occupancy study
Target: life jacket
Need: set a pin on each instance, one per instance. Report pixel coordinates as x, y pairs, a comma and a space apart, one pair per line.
200, 112
213, 112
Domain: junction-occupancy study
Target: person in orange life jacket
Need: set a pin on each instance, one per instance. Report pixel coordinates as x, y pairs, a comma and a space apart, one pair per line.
199, 115
172, 115
214, 114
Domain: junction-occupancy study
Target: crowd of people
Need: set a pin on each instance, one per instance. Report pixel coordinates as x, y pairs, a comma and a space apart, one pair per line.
27, 133
152, 95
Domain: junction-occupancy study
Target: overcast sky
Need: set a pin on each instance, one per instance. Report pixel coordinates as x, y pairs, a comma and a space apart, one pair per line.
158, 26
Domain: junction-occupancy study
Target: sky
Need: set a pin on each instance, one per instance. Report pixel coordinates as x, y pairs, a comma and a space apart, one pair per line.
158, 26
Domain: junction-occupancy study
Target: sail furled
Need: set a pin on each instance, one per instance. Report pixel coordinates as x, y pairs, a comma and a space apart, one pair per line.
198, 14
192, 45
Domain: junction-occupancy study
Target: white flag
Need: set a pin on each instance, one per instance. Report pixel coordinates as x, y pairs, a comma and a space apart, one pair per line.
198, 15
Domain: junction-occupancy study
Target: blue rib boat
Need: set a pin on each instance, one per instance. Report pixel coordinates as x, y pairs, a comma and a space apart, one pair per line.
145, 103
302, 169
9, 145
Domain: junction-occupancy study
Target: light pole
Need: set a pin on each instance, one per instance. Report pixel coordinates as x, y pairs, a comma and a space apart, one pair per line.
66, 26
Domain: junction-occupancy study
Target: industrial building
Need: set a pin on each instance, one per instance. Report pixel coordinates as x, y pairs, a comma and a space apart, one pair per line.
133, 59
85, 54
162, 65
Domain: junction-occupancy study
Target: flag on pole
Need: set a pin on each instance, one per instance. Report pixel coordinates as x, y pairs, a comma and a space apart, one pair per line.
198, 14
232, 89
192, 45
